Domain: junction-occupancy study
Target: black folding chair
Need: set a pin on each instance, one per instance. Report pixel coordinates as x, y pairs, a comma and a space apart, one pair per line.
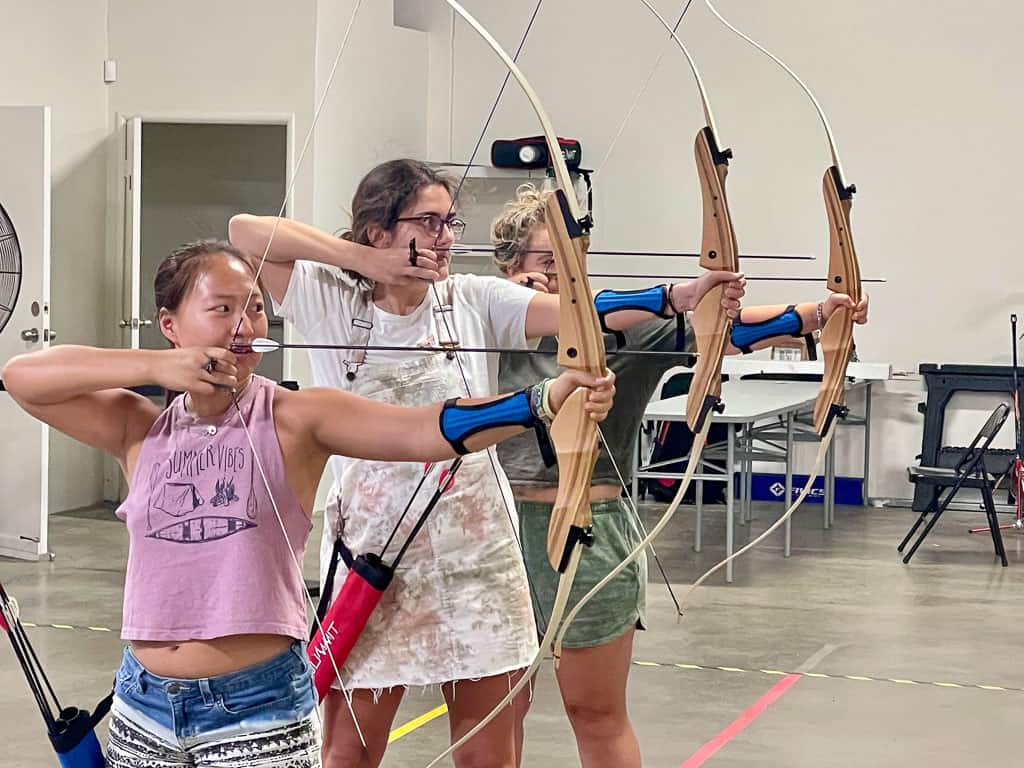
970, 472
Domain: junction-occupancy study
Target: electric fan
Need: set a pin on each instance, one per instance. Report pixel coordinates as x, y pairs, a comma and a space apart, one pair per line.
10, 268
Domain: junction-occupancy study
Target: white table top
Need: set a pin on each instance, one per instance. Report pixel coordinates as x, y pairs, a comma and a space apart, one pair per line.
745, 401
744, 365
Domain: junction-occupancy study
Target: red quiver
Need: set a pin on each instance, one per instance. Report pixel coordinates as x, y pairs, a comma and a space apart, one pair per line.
344, 621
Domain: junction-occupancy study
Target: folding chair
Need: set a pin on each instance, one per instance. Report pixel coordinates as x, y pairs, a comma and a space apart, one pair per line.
970, 472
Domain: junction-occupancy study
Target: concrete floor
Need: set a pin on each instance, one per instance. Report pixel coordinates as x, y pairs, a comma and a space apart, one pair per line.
843, 605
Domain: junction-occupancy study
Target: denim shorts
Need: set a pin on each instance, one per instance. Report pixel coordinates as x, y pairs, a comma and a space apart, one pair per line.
183, 713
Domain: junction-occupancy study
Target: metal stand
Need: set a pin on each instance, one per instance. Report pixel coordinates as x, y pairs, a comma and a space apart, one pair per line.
1014, 472
942, 382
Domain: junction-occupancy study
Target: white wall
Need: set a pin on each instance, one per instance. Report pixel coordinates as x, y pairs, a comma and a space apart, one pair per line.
229, 57
376, 106
180, 57
52, 53
919, 94
195, 58
374, 111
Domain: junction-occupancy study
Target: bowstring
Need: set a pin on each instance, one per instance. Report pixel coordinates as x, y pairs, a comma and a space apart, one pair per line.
640, 92
639, 529
449, 331
245, 308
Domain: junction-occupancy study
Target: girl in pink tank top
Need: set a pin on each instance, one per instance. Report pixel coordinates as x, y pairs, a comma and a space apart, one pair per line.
221, 489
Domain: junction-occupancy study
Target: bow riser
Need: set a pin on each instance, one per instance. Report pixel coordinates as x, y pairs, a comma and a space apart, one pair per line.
574, 436
711, 325
580, 346
718, 248
843, 277
579, 330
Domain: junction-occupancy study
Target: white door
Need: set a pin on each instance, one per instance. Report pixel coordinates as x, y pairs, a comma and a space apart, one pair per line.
129, 238
24, 232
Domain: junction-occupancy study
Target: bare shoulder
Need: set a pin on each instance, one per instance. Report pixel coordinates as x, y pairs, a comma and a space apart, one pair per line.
300, 411
306, 422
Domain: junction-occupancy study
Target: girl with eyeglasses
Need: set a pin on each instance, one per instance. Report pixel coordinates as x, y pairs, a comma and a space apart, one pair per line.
459, 612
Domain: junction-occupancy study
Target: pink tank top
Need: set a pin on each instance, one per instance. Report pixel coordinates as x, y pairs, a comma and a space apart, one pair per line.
207, 557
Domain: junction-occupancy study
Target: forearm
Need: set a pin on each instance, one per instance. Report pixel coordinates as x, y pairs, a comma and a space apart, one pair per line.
431, 443
764, 326
617, 310
61, 373
384, 432
292, 241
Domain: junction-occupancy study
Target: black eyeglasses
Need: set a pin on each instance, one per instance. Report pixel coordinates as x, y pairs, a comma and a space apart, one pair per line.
432, 223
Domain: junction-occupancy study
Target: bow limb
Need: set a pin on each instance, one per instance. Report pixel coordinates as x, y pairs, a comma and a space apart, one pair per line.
710, 321
711, 324
837, 335
580, 340
829, 135
691, 468
562, 176
804, 492
580, 346
843, 270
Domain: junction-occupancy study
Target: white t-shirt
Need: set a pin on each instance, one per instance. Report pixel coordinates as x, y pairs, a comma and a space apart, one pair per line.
327, 306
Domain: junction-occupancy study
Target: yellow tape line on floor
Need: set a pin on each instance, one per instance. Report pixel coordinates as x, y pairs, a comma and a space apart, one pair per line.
417, 722
823, 676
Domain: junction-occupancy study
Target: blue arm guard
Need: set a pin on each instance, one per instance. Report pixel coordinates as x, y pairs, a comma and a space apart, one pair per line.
745, 335
653, 300
608, 302
459, 422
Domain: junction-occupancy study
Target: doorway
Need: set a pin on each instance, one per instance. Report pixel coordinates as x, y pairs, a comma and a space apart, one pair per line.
195, 177
182, 180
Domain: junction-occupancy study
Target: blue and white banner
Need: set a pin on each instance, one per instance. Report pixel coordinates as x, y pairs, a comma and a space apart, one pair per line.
769, 486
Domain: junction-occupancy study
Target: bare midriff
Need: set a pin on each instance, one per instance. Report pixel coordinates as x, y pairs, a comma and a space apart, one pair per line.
208, 658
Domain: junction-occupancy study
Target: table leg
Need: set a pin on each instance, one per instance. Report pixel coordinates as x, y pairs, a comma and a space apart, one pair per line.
748, 471
741, 445
866, 489
730, 460
636, 468
698, 543
832, 486
829, 483
789, 484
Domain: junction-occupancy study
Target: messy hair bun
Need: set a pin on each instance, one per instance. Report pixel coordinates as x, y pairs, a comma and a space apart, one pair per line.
511, 231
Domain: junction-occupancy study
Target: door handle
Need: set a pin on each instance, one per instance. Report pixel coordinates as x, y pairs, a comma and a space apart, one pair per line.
30, 335
134, 323
49, 335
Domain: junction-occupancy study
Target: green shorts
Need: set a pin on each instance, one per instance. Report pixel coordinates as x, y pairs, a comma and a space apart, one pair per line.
620, 606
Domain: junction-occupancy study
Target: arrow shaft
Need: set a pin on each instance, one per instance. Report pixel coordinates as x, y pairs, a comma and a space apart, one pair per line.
670, 254
244, 348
